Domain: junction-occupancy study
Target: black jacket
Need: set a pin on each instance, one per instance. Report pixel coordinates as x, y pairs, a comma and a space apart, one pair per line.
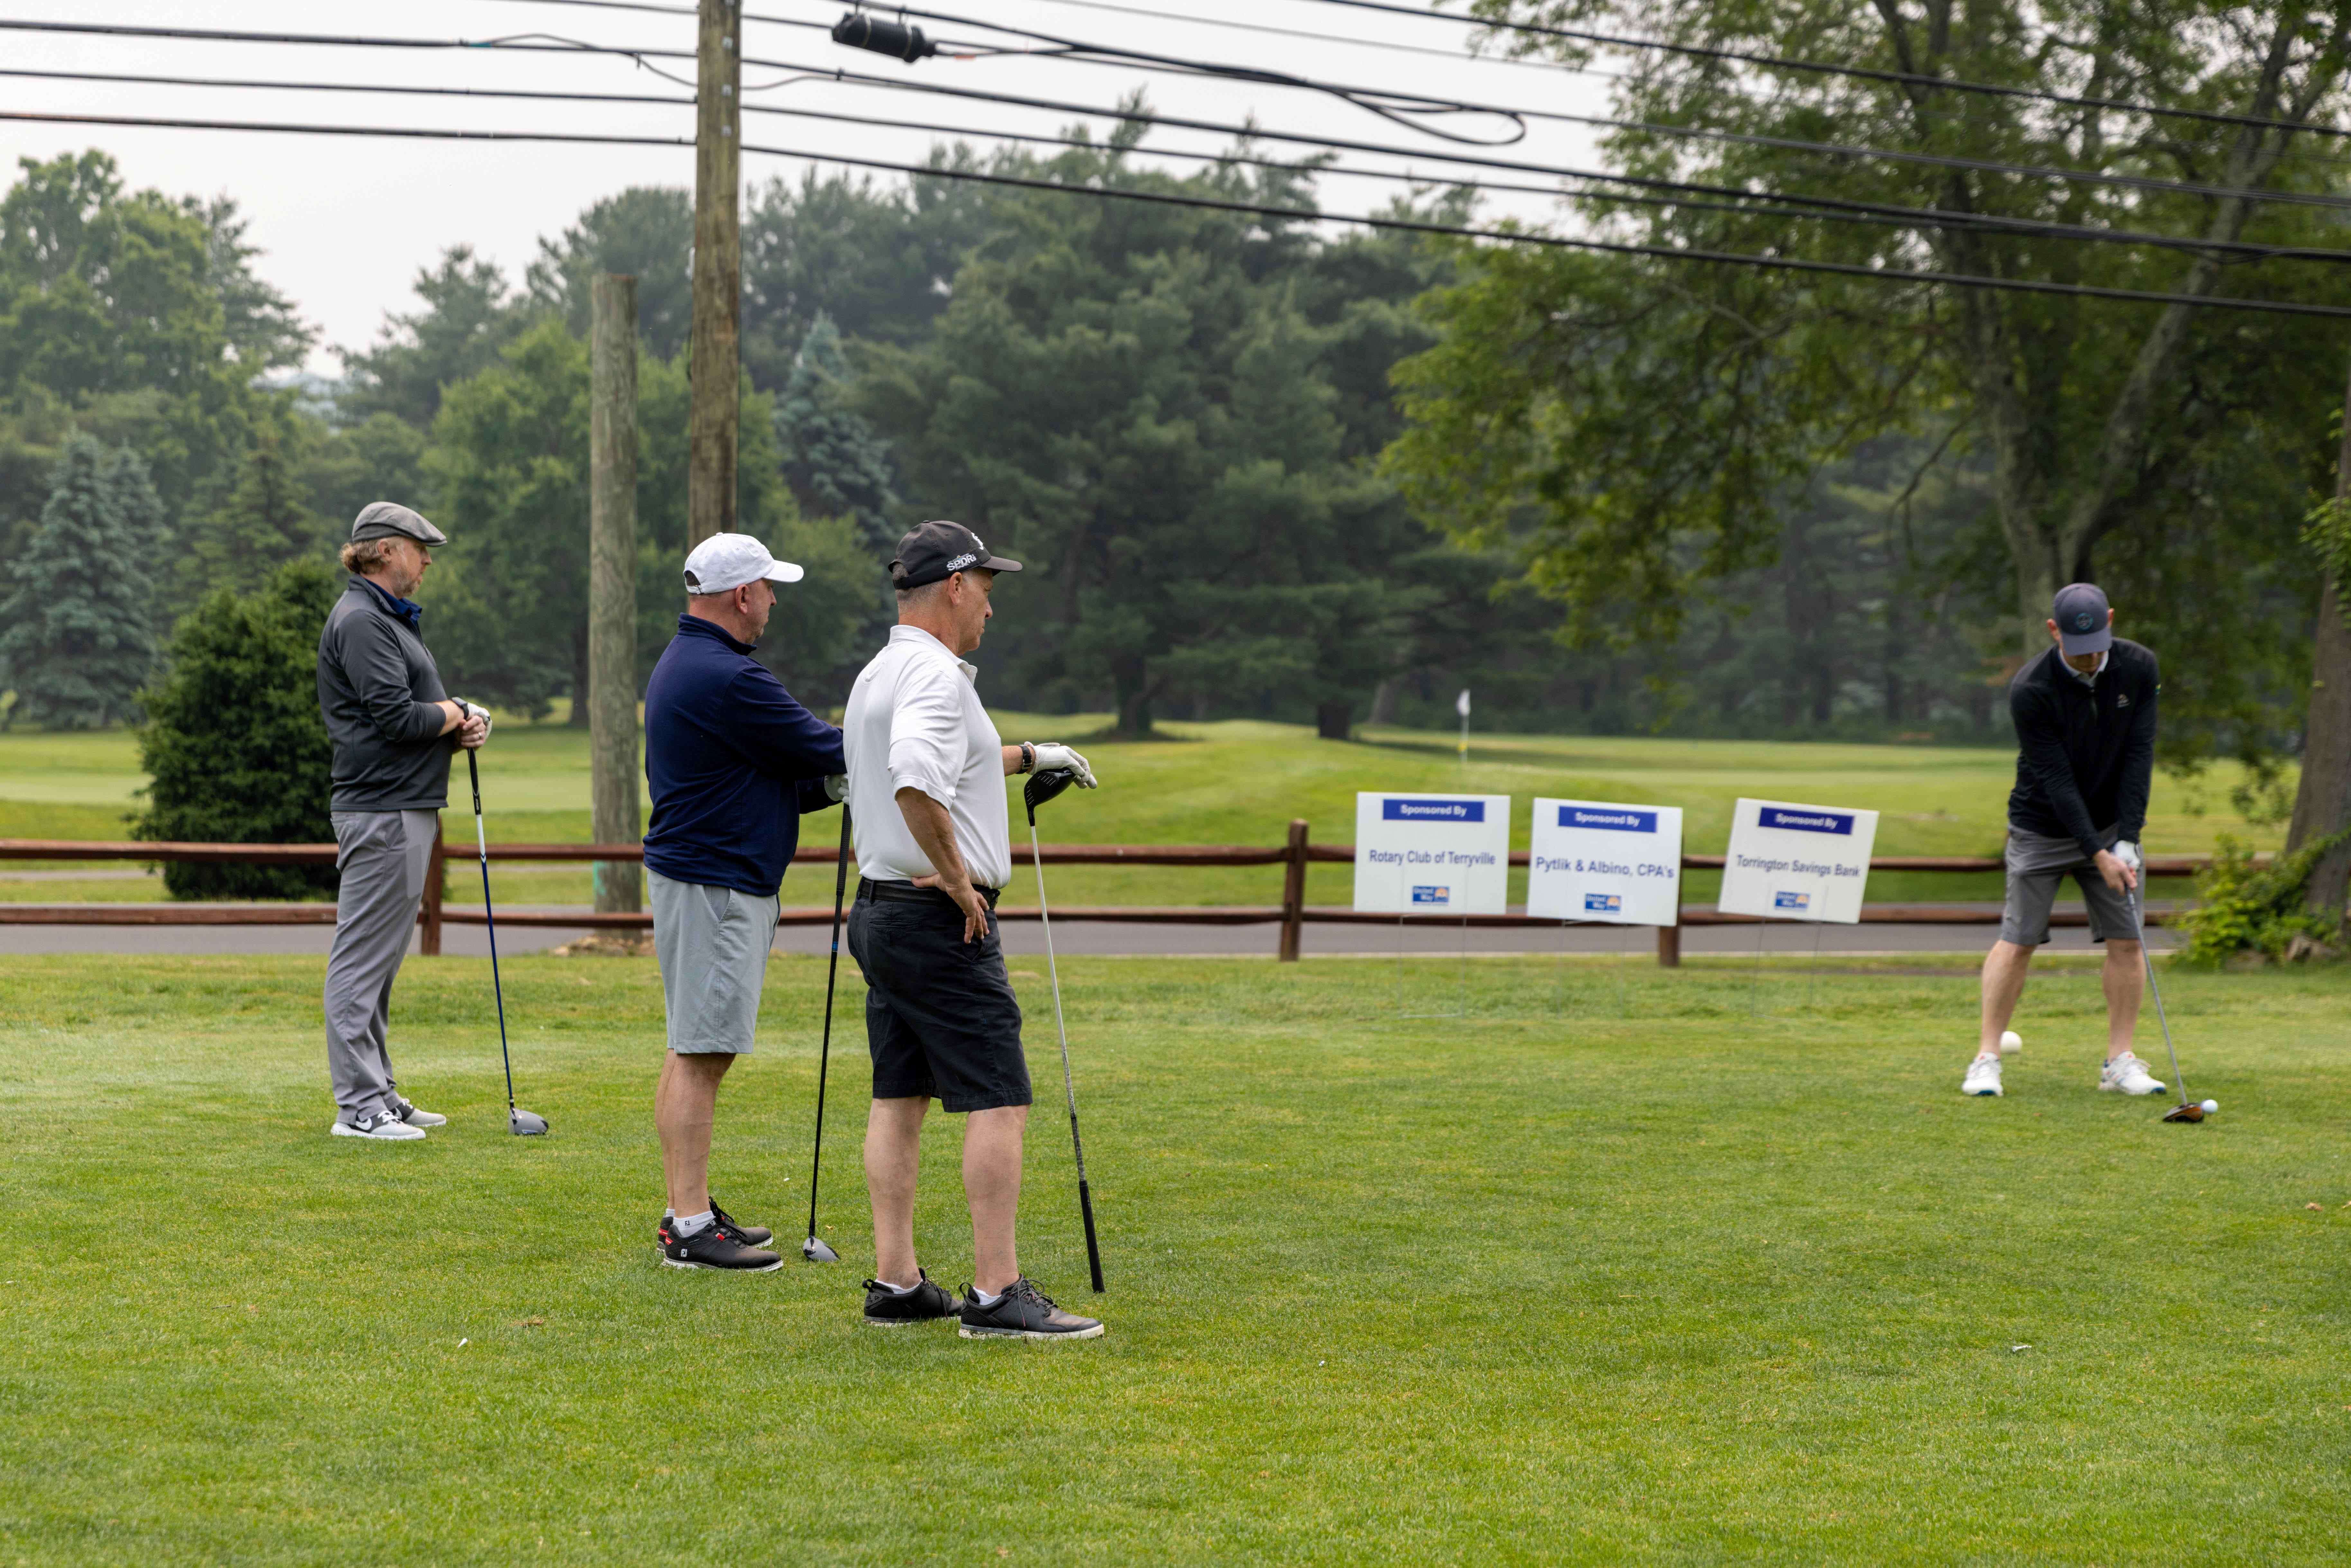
2085, 755
379, 694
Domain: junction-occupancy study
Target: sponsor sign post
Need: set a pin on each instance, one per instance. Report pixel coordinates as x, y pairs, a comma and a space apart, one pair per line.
1602, 860
1432, 855
1797, 862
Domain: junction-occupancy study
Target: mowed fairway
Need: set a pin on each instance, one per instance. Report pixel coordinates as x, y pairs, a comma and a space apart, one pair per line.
1547, 1281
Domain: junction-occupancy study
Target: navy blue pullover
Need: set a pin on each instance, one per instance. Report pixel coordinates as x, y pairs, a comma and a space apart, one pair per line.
732, 760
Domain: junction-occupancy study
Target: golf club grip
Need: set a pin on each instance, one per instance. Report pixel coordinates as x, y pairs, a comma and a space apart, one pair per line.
1093, 1249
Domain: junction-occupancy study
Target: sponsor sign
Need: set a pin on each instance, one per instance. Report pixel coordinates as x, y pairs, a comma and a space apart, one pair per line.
1592, 860
1788, 862
1431, 854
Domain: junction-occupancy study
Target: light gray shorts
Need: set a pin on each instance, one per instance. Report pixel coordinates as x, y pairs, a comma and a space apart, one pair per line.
712, 943
2036, 864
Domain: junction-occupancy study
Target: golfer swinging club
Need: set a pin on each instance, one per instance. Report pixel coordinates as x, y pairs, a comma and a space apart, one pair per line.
2084, 714
931, 826
393, 730
732, 761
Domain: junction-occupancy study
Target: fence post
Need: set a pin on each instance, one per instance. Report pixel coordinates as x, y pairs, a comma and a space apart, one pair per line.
429, 943
1669, 937
1293, 892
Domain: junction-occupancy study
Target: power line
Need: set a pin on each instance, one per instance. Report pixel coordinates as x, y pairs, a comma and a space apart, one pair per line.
1254, 209
1862, 73
1897, 217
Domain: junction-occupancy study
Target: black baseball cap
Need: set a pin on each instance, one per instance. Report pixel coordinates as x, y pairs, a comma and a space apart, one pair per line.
936, 550
2081, 615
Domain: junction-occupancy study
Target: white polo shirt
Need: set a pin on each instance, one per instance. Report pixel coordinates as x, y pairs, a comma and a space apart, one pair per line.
914, 722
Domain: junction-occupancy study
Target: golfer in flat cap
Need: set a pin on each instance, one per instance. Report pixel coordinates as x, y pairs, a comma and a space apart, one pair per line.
928, 813
732, 761
394, 730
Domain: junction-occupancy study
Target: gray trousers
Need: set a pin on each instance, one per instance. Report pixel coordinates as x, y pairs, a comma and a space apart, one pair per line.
384, 857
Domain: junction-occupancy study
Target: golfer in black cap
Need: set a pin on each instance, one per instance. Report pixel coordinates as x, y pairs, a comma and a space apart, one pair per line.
927, 772
2085, 714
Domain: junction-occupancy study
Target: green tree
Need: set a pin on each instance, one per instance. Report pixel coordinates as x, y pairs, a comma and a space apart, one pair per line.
267, 520
647, 232
377, 458
836, 462
76, 638
233, 745
469, 317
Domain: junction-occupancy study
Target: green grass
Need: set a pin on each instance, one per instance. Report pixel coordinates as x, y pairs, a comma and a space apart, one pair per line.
1242, 781
1544, 1284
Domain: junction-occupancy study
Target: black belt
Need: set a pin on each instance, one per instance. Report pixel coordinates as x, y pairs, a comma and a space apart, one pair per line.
908, 893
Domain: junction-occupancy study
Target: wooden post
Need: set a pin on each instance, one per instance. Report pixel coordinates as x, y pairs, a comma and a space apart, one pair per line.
1669, 937
715, 357
429, 917
613, 588
2322, 801
1293, 892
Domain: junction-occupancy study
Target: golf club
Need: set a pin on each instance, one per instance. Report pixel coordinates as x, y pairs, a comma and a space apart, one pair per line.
812, 1249
2186, 1110
522, 1123
1042, 788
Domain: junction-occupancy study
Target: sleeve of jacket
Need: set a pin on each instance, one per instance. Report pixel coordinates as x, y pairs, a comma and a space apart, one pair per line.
781, 737
2040, 738
2139, 756
371, 661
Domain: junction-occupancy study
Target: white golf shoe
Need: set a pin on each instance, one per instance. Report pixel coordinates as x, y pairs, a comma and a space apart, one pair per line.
384, 1127
1983, 1077
2128, 1075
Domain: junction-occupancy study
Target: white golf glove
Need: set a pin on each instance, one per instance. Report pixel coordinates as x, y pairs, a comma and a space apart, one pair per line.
1052, 754
2128, 852
474, 710
836, 788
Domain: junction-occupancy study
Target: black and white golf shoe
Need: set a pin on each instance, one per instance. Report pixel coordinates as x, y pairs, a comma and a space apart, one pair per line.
1023, 1312
417, 1116
749, 1235
886, 1307
713, 1247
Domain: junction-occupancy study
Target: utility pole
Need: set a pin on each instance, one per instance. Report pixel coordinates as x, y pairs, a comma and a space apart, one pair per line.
716, 355
613, 586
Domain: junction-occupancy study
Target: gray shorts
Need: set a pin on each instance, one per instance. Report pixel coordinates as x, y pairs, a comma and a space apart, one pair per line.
2036, 864
712, 943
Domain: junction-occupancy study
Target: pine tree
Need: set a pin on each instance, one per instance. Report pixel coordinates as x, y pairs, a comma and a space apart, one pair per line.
267, 520
233, 742
835, 463
76, 633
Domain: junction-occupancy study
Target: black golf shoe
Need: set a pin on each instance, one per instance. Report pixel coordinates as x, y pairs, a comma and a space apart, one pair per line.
749, 1235
1023, 1312
713, 1247
927, 1302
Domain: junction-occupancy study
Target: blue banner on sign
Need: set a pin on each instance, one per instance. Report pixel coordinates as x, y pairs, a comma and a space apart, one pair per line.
1806, 821
1791, 900
1613, 822
1395, 811
1603, 903
1432, 896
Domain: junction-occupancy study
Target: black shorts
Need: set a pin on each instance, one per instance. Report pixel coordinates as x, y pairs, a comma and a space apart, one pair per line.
941, 1020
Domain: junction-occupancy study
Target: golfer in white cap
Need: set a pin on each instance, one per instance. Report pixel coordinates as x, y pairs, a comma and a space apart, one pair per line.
732, 761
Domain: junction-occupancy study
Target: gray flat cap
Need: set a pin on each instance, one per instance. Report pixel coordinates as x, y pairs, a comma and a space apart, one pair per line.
384, 519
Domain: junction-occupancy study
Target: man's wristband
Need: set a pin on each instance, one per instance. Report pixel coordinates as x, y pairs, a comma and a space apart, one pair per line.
1027, 758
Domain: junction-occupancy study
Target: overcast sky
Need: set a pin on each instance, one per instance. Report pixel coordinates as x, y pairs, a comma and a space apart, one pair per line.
345, 223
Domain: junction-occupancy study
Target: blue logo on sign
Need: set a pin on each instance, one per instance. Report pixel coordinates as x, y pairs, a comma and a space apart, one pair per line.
1604, 903
1433, 810
1791, 900
1614, 821
1806, 821
1432, 894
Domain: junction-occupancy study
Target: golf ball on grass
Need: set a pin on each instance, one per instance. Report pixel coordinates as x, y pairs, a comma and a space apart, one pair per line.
2210, 1106
2011, 1042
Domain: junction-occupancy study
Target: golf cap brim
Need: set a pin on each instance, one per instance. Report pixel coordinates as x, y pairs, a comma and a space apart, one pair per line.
2084, 621
934, 551
724, 562
389, 519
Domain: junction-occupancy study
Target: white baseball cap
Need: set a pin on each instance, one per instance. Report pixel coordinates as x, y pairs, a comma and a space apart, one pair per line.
726, 561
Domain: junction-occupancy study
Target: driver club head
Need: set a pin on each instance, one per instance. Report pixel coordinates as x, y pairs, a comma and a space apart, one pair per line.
816, 1251
2186, 1112
1043, 787
526, 1124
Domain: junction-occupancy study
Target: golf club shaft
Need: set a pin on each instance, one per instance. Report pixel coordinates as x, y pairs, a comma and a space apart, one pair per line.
2138, 912
824, 1052
490, 925
1069, 1085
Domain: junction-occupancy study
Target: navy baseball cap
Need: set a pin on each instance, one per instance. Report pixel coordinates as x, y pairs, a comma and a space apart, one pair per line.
936, 550
2081, 615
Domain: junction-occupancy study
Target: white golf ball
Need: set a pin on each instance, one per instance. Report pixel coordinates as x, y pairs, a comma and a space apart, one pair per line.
2011, 1042
2211, 1105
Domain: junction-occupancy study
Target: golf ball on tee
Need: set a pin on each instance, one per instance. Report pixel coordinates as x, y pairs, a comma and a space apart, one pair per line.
2210, 1106
2011, 1042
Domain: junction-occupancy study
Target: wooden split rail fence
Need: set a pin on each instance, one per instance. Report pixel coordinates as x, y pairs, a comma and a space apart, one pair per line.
1291, 914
